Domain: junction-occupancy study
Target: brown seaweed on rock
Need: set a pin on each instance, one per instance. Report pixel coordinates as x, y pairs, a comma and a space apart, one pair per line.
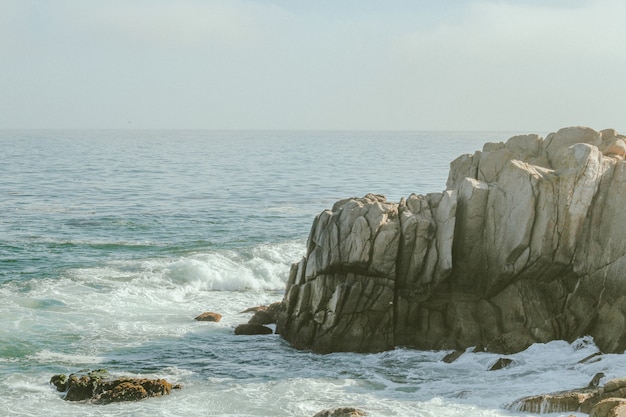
99, 387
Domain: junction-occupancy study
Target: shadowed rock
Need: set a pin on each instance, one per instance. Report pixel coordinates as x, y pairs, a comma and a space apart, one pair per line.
265, 314
453, 356
500, 364
252, 329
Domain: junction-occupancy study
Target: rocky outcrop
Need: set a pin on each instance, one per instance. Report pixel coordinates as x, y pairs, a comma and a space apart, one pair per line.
525, 245
98, 387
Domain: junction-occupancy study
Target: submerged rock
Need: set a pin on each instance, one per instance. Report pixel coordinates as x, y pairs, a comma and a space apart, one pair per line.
501, 363
525, 245
99, 387
341, 412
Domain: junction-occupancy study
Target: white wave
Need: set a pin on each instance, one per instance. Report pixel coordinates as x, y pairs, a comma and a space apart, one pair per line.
263, 267
266, 267
217, 272
47, 356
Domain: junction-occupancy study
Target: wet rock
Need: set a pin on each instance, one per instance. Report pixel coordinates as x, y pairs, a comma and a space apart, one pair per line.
262, 317
341, 412
99, 387
209, 316
501, 363
253, 309
595, 381
583, 400
557, 402
594, 357
452, 356
252, 329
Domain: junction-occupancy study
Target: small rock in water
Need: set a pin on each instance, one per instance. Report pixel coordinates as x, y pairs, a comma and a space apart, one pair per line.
209, 316
501, 363
251, 329
594, 357
97, 386
341, 412
453, 356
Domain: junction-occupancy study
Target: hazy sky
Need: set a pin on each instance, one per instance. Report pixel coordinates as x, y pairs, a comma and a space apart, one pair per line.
529, 65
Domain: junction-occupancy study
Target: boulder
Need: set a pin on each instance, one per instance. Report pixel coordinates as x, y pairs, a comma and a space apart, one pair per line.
525, 245
252, 329
209, 316
99, 387
262, 317
500, 363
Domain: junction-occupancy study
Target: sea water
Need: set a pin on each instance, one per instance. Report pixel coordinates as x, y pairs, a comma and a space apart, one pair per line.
111, 242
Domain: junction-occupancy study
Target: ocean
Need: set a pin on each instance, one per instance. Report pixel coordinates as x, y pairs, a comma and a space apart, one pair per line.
111, 242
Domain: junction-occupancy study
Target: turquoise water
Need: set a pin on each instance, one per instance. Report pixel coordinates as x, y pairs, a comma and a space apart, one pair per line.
112, 241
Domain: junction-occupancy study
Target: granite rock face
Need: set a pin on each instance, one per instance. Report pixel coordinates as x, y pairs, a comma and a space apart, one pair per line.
525, 245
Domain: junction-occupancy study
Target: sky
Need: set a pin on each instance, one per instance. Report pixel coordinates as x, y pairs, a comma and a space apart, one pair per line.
525, 65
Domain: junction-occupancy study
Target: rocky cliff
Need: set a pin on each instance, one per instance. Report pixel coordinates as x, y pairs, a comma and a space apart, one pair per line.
527, 244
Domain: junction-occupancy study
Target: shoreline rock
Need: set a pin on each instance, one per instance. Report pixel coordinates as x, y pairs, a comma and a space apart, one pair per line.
592, 399
99, 387
525, 245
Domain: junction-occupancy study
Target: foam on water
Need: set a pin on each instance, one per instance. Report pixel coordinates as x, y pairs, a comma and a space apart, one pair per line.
137, 315
94, 310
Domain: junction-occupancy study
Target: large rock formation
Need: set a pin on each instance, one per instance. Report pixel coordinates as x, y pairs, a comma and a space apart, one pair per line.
525, 245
